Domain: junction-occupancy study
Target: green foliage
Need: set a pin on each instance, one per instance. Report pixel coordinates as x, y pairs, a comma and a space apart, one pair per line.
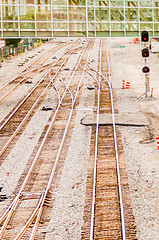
12, 41
30, 15
39, 41
79, 2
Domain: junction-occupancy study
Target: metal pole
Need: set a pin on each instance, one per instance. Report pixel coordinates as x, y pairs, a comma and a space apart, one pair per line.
2, 54
145, 81
146, 85
29, 42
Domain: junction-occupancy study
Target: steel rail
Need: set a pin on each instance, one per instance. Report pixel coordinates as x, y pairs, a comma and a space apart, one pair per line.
59, 47
21, 72
96, 152
57, 91
60, 79
4, 215
51, 124
122, 215
11, 138
56, 161
116, 150
1, 127
58, 156
20, 104
13, 205
54, 77
33, 215
30, 220
27, 115
6, 212
37, 68
9, 208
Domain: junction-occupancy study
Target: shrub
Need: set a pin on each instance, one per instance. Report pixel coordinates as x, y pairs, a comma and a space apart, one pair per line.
12, 41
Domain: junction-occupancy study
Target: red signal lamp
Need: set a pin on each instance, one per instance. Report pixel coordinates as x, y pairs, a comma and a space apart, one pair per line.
145, 52
144, 36
145, 69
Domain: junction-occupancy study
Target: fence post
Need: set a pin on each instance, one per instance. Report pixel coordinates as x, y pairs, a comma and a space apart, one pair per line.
2, 54
8, 51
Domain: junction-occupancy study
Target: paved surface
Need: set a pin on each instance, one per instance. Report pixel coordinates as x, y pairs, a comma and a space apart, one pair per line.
127, 119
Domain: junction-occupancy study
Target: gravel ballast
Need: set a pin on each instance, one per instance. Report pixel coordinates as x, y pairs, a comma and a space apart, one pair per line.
140, 149
142, 160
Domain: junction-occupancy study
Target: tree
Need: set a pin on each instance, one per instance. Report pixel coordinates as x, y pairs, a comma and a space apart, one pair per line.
12, 41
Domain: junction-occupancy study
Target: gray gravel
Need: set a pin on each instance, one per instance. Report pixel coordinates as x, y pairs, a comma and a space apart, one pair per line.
67, 215
141, 159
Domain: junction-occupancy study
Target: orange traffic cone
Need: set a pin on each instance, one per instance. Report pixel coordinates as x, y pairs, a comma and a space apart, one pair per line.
157, 140
123, 84
127, 85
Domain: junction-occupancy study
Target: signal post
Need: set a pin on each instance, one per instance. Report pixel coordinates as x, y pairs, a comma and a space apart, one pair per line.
145, 54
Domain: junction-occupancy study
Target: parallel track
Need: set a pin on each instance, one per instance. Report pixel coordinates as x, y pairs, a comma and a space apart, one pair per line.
41, 172
108, 214
12, 124
31, 69
107, 217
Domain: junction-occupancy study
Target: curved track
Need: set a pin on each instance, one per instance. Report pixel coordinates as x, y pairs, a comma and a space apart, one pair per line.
37, 180
107, 217
108, 213
18, 116
31, 69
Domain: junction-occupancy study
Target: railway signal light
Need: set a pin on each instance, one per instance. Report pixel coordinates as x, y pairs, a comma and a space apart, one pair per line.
145, 69
144, 36
145, 52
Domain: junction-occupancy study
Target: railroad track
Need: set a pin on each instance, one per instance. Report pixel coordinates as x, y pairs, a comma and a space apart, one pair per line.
20, 115
38, 65
108, 214
21, 218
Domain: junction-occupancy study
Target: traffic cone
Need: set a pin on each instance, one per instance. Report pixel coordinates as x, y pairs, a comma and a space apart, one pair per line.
123, 84
157, 140
151, 92
127, 85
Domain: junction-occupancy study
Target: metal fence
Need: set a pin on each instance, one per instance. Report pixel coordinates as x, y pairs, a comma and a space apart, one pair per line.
9, 51
78, 18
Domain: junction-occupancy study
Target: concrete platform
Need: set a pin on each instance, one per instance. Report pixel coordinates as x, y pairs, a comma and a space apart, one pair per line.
128, 119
